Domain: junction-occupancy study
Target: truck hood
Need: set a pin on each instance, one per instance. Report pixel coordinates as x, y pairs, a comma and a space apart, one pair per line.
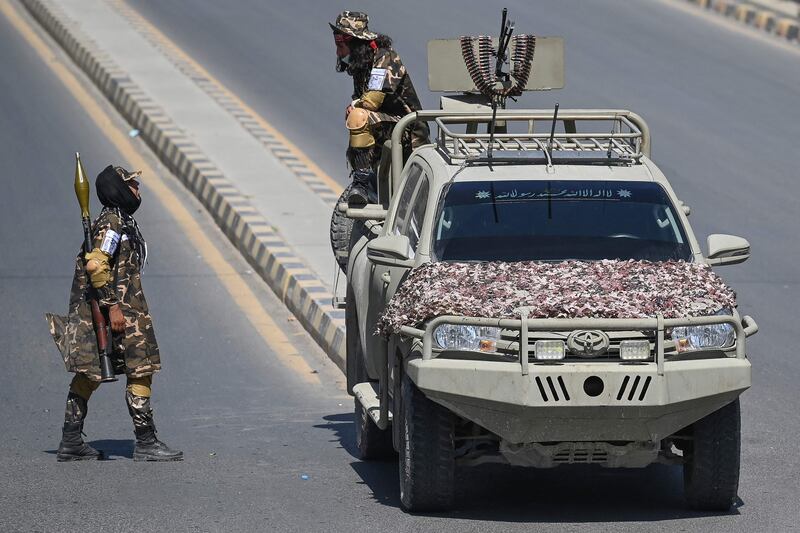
569, 289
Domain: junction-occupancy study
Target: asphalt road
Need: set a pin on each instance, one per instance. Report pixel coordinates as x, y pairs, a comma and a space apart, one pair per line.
722, 104
249, 425
722, 107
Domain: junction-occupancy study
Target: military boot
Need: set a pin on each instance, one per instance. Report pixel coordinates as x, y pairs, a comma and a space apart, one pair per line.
362, 190
72, 447
148, 447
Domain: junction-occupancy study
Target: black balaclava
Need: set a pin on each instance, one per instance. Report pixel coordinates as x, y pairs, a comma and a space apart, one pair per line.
114, 192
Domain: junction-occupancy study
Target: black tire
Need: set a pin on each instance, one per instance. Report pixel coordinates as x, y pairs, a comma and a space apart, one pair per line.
372, 442
427, 456
711, 461
341, 228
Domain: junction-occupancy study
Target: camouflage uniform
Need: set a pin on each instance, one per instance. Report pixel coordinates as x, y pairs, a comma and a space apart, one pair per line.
135, 352
389, 76
113, 276
382, 94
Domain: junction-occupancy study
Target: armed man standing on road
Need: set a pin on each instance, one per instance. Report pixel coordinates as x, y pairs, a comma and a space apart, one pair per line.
382, 94
113, 268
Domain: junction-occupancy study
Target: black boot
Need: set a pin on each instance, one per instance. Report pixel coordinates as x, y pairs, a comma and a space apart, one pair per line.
361, 192
149, 448
72, 447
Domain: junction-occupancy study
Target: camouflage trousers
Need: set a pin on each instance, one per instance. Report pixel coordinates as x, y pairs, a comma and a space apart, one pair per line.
137, 397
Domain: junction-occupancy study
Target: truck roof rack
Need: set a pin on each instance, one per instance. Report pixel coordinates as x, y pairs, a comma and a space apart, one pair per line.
622, 143
626, 140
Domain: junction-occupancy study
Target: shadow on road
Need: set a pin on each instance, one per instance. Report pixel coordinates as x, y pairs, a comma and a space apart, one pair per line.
379, 476
114, 447
111, 448
343, 429
570, 493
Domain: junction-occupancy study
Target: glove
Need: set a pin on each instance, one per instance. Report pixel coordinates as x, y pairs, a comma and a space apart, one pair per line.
98, 268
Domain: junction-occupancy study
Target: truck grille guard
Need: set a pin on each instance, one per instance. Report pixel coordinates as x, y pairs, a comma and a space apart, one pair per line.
525, 326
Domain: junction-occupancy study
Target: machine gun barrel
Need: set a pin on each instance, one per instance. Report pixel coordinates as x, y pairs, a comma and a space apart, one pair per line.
506, 29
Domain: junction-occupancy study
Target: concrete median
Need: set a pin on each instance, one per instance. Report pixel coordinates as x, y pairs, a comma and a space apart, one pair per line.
781, 21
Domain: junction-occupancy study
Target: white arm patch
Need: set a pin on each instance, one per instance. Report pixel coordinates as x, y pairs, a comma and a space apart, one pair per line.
110, 242
376, 79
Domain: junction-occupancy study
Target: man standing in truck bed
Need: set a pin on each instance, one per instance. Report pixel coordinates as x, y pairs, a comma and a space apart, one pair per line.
382, 94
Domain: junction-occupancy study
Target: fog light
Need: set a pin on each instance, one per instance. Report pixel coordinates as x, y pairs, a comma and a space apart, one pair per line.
634, 350
549, 350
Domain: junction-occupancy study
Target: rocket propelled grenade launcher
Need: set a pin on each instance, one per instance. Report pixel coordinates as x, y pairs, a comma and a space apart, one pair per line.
98, 318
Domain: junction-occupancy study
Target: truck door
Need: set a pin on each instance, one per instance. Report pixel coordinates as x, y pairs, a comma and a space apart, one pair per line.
407, 220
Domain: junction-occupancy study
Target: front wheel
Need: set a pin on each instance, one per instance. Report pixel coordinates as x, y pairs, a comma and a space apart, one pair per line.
427, 456
711, 461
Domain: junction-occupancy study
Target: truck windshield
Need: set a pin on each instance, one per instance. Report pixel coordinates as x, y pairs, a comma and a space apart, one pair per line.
557, 220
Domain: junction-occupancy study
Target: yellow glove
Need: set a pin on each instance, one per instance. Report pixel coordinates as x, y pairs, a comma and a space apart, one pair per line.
371, 100
98, 268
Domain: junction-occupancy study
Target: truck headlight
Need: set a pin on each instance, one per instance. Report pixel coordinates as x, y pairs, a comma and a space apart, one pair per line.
689, 338
472, 338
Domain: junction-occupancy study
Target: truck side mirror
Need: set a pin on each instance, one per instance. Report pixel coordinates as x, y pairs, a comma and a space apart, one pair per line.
390, 250
727, 250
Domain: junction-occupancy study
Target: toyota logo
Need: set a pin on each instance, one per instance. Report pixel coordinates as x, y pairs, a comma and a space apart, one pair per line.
588, 343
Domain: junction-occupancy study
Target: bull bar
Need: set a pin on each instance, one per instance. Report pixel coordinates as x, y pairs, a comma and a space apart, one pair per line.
744, 328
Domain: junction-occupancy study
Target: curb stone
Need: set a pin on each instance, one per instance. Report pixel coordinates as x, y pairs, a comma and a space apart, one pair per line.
303, 293
766, 20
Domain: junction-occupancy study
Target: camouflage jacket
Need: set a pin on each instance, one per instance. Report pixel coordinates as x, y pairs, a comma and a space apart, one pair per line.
136, 350
388, 75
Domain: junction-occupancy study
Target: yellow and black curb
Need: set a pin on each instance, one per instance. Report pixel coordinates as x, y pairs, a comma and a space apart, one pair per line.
763, 19
272, 258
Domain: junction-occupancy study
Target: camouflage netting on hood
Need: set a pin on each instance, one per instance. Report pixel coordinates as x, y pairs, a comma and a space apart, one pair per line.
570, 289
